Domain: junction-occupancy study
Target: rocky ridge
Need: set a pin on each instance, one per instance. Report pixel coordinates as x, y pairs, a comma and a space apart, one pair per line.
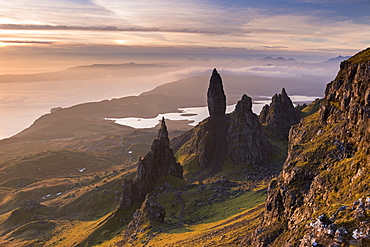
280, 115
327, 169
159, 162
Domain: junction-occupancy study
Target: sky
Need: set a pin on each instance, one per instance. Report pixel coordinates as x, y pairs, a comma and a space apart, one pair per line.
44, 35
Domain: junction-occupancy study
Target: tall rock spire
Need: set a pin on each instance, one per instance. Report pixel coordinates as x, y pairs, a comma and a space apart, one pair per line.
159, 162
162, 132
216, 98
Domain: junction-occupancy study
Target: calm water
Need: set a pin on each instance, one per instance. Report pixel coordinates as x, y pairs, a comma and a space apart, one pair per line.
200, 113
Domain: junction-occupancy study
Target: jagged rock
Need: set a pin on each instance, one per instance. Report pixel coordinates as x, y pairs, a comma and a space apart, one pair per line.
361, 236
149, 216
128, 193
340, 235
264, 113
280, 115
159, 162
340, 153
360, 211
216, 98
208, 142
246, 141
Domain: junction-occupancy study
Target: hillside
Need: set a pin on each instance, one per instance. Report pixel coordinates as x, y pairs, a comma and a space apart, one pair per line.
321, 198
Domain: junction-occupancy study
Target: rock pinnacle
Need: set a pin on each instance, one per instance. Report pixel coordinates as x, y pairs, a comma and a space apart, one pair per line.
216, 98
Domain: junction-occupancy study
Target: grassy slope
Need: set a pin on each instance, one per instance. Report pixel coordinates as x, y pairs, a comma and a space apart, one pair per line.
73, 210
225, 232
201, 223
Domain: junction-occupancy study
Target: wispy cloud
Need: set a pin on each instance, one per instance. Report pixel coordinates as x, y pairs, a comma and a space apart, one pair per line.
26, 42
106, 28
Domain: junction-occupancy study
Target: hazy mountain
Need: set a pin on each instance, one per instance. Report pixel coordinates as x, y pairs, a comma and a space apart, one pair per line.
95, 71
277, 61
336, 60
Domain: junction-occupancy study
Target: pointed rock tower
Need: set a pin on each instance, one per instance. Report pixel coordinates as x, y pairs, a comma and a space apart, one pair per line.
207, 140
216, 98
280, 115
159, 162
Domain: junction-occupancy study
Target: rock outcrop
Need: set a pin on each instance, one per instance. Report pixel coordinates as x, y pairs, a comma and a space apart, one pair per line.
328, 165
150, 215
216, 98
246, 141
280, 115
159, 162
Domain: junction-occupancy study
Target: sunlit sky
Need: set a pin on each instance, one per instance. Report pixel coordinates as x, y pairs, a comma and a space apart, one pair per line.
69, 30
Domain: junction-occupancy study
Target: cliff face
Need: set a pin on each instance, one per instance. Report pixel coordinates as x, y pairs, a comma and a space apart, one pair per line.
159, 162
246, 141
280, 115
321, 198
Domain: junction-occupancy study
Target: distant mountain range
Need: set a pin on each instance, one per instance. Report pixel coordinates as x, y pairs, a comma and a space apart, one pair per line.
337, 59
86, 72
102, 71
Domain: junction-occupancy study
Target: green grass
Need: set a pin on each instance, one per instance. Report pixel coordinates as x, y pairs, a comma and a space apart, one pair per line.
362, 56
311, 108
224, 232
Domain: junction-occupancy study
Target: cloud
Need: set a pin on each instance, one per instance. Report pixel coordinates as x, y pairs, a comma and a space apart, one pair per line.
283, 71
182, 14
275, 47
26, 42
104, 28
